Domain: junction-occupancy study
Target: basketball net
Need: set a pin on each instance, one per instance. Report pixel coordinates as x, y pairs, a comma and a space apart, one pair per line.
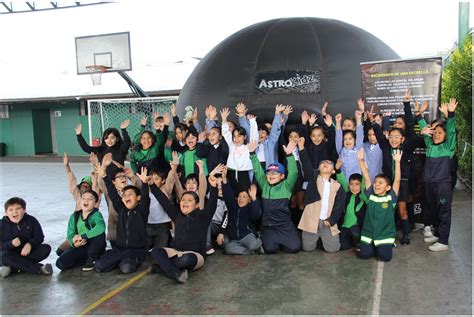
96, 73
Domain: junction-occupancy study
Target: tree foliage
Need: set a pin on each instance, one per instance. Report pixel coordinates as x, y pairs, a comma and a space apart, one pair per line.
457, 83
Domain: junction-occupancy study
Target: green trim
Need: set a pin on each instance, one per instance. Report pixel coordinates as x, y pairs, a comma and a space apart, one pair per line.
384, 241
365, 240
380, 199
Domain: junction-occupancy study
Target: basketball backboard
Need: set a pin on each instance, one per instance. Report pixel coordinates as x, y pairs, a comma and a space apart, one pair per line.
109, 50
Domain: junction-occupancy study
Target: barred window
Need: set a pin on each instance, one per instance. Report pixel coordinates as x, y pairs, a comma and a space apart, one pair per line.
4, 114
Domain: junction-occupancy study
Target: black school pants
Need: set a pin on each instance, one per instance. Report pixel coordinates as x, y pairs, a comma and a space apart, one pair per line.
439, 198
74, 257
29, 263
128, 260
282, 236
384, 251
349, 237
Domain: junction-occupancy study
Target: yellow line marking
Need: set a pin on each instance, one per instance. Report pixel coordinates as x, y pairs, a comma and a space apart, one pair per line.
114, 292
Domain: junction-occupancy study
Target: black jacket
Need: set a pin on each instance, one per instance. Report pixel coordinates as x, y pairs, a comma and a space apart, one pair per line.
28, 230
214, 156
191, 229
131, 224
323, 151
408, 146
119, 151
240, 221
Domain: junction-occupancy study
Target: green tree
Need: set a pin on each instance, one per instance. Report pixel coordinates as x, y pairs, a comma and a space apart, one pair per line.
457, 83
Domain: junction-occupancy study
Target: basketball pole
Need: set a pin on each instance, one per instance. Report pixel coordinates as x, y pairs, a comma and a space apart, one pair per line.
133, 85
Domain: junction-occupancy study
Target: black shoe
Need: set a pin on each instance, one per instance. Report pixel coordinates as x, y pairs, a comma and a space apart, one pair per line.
46, 269
89, 265
357, 248
181, 276
405, 240
155, 268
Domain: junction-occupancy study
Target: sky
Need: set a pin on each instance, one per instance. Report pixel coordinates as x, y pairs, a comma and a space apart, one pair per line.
41, 43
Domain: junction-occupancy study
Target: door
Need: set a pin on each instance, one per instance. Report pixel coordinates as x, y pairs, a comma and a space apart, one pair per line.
42, 131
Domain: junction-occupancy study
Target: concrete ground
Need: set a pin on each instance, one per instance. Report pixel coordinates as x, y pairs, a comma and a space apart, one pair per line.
416, 281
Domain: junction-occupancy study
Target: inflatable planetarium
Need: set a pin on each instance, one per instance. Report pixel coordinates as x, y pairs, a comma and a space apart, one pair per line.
302, 62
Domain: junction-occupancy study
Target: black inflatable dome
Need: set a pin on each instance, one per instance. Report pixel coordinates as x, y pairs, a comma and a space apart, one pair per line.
298, 61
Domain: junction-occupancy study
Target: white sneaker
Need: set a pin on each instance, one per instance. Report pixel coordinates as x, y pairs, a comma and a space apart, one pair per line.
431, 239
6, 270
427, 232
438, 247
210, 251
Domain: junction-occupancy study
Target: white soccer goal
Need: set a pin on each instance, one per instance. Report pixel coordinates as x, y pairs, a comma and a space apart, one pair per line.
107, 113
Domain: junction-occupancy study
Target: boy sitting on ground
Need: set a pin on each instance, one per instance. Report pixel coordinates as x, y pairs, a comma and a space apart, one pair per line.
22, 241
86, 235
132, 209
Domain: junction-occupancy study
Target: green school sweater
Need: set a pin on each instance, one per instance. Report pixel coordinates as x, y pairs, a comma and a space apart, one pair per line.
95, 222
379, 222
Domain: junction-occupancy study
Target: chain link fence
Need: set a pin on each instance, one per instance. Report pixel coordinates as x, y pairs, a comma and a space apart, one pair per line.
108, 113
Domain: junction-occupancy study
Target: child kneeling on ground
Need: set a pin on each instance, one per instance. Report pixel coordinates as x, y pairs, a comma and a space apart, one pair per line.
22, 241
323, 205
241, 217
378, 230
86, 235
278, 231
355, 206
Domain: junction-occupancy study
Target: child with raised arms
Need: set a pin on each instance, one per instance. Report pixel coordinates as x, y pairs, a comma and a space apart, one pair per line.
278, 232
378, 230
112, 142
132, 209
187, 250
440, 148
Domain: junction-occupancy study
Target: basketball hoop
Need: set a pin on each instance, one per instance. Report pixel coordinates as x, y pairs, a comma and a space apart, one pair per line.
96, 73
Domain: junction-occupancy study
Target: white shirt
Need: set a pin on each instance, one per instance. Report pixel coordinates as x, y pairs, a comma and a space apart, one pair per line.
239, 156
261, 152
157, 214
296, 154
325, 200
221, 208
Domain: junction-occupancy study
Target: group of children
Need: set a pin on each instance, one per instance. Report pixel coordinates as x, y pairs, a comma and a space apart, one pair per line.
247, 188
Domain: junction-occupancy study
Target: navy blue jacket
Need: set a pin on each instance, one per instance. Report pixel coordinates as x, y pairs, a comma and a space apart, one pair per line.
214, 156
131, 224
323, 151
28, 230
240, 221
190, 229
411, 143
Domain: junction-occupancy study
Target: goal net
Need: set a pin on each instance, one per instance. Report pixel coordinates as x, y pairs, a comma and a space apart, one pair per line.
109, 113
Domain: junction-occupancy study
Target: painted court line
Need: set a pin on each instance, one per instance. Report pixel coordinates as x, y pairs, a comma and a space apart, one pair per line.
114, 292
378, 289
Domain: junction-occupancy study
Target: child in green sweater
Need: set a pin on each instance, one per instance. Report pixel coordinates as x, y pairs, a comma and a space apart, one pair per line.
378, 230
354, 210
86, 235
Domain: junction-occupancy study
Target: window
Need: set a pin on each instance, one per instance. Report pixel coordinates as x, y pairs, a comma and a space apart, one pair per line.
83, 108
4, 112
